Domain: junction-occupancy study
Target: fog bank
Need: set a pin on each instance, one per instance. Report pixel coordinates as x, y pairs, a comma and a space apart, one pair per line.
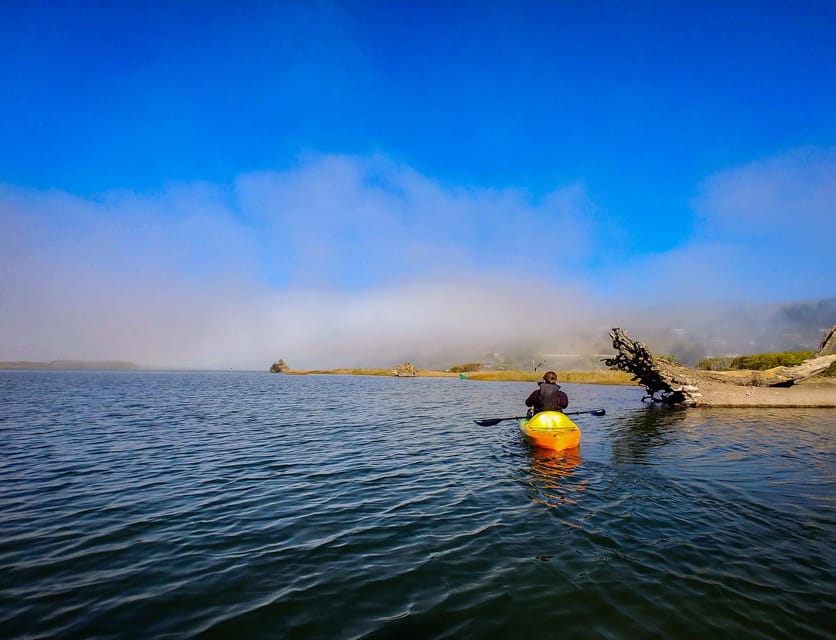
345, 261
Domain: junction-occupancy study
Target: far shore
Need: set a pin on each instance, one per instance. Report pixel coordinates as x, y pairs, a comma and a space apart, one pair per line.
98, 365
814, 393
612, 377
579, 377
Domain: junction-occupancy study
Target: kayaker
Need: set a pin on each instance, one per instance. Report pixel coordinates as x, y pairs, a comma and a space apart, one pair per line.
548, 397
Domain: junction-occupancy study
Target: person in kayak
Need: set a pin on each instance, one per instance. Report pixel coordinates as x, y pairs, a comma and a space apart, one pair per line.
548, 397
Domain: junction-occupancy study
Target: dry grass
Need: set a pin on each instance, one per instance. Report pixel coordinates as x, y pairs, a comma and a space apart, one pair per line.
579, 377
345, 372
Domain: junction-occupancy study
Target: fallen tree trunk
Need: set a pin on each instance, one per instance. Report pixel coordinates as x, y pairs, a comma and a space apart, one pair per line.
828, 341
675, 385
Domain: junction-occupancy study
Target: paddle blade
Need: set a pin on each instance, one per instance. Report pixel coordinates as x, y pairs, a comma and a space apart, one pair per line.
489, 422
594, 412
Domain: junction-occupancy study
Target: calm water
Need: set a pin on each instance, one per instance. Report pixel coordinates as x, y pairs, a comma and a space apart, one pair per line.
218, 505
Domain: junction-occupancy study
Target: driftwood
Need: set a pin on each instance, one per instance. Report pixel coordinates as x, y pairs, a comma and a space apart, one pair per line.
652, 373
674, 385
828, 341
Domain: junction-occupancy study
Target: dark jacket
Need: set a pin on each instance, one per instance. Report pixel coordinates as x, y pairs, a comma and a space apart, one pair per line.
548, 397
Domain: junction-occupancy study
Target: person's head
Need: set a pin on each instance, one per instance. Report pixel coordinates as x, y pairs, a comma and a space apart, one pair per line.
550, 377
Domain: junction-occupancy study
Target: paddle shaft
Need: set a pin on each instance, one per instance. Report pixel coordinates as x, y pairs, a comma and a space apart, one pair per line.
489, 422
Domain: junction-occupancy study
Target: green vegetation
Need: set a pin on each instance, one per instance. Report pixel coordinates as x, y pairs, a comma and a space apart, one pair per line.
467, 367
760, 362
715, 364
764, 361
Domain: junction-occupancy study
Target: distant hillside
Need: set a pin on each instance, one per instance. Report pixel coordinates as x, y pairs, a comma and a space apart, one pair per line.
106, 365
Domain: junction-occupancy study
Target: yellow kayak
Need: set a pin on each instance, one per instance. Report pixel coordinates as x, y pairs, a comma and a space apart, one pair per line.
551, 430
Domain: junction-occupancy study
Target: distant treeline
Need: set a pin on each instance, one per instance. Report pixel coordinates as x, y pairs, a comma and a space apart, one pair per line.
466, 367
760, 362
108, 365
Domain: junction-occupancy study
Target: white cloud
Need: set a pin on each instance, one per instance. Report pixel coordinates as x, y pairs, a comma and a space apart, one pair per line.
344, 220
791, 197
337, 262
762, 234
346, 261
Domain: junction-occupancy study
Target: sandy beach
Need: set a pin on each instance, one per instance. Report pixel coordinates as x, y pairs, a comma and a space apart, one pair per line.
818, 392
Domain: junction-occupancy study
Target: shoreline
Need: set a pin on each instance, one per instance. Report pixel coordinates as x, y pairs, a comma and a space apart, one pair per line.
816, 393
70, 365
605, 377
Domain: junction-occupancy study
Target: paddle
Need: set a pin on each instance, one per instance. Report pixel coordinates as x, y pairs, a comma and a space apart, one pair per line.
489, 422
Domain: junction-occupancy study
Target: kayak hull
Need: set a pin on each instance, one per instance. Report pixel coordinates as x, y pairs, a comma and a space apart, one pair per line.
551, 430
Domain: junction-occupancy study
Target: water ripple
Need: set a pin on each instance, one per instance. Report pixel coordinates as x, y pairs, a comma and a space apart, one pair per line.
214, 505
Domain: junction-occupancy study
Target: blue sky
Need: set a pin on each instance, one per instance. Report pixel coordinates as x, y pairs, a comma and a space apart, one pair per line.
295, 179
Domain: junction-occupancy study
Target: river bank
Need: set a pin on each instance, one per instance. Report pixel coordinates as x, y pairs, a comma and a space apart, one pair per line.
579, 377
814, 393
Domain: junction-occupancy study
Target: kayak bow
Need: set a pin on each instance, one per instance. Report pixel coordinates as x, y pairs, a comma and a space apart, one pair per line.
551, 430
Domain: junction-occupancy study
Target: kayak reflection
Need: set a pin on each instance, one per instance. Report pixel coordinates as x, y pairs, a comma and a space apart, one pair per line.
552, 476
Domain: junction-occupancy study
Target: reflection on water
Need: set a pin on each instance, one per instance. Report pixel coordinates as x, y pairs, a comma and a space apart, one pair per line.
551, 476
635, 436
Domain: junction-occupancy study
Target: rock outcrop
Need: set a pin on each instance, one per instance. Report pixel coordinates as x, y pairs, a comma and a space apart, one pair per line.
279, 367
405, 370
